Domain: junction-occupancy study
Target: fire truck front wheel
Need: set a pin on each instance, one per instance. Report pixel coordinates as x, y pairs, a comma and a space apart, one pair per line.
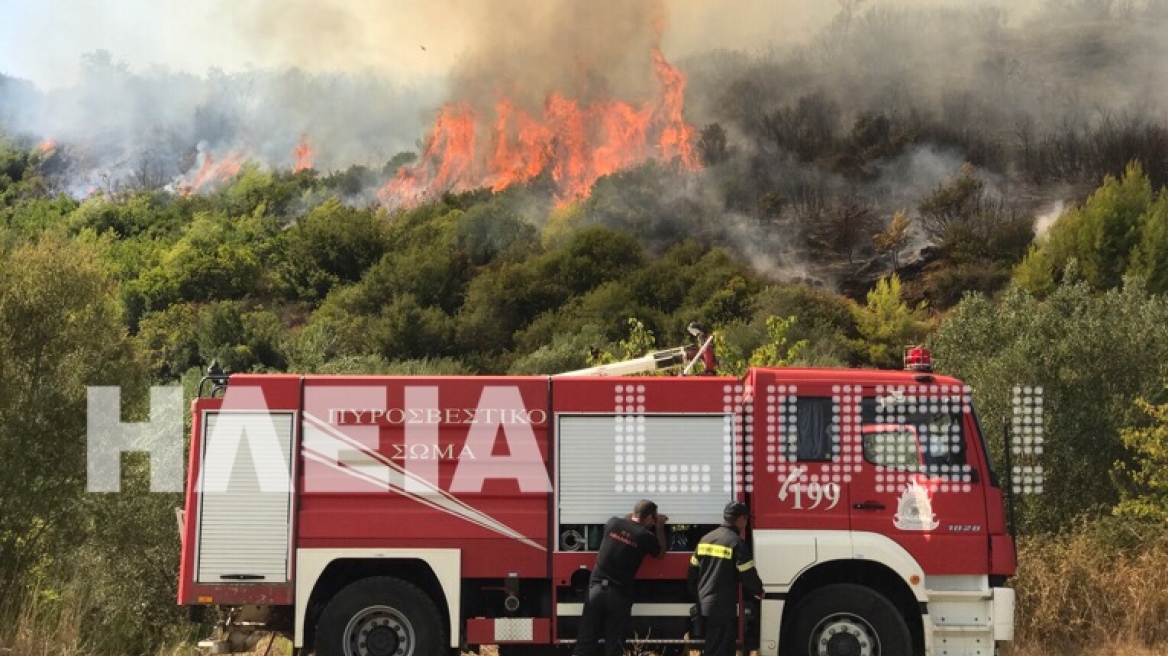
380, 616
847, 620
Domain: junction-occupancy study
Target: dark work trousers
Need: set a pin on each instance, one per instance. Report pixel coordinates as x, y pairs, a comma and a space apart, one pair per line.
606, 615
721, 636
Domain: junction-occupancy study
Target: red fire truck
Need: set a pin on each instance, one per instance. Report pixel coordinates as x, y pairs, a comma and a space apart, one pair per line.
424, 515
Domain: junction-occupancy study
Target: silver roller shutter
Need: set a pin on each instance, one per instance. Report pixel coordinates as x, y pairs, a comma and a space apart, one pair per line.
244, 530
607, 463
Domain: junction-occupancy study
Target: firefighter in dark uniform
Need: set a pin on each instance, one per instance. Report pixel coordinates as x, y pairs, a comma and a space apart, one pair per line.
720, 562
610, 591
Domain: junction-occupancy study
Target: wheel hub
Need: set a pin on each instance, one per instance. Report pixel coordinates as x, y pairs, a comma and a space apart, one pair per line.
379, 631
381, 641
844, 635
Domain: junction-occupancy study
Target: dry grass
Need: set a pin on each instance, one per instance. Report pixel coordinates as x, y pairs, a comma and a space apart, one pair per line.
1103, 650
27, 625
1100, 591
1101, 586
70, 622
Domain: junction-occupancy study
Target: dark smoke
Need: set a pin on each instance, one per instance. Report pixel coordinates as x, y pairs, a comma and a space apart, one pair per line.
586, 51
819, 142
887, 102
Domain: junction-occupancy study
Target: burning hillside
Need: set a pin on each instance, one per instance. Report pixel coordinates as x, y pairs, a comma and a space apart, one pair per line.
583, 126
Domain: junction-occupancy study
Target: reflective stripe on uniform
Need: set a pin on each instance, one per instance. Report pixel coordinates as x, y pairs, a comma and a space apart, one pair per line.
745, 566
715, 550
693, 560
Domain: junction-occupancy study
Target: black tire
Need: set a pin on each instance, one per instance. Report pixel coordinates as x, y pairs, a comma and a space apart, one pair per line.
846, 620
380, 616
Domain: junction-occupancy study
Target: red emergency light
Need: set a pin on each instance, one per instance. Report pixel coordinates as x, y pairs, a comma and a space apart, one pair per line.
917, 358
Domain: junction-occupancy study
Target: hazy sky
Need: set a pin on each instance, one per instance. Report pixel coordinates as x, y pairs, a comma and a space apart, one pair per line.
44, 40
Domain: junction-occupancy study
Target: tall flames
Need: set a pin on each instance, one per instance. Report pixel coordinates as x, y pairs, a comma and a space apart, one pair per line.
574, 142
303, 155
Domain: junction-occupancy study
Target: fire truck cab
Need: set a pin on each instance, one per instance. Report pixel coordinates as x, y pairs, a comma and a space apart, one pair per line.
425, 515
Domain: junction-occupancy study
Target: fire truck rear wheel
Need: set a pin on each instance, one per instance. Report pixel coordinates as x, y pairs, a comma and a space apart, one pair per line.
847, 620
380, 616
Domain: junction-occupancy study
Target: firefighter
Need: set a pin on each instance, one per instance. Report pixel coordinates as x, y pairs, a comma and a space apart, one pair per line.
610, 590
721, 561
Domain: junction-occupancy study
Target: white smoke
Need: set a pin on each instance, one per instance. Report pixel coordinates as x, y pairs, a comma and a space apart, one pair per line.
1046, 218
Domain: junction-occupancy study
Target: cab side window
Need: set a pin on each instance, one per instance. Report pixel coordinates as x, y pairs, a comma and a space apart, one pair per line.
916, 435
891, 445
818, 434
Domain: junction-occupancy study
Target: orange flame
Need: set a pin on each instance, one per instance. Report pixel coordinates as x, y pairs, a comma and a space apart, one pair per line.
677, 135
520, 146
574, 144
449, 156
303, 153
211, 171
47, 145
